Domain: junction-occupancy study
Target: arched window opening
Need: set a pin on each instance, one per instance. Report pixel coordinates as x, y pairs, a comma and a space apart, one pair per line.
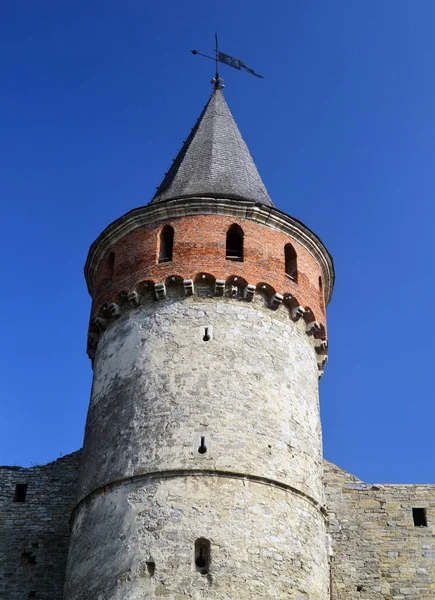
321, 294
291, 264
202, 555
234, 249
166, 244
109, 268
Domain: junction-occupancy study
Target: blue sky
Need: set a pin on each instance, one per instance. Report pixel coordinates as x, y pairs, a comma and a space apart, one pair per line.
96, 99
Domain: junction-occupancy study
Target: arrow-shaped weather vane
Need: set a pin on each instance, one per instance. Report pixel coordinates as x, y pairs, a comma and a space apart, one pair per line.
227, 60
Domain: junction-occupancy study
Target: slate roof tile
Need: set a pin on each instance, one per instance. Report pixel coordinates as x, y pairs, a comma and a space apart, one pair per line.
214, 161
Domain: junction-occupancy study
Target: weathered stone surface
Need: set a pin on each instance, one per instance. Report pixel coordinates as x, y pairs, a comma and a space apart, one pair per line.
261, 541
146, 493
156, 384
34, 534
376, 546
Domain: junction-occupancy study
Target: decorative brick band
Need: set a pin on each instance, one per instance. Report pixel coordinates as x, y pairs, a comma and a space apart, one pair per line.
187, 246
152, 215
206, 285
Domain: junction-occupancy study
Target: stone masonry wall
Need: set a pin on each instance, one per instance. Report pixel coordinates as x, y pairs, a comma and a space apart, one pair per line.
34, 534
266, 543
146, 493
378, 552
157, 384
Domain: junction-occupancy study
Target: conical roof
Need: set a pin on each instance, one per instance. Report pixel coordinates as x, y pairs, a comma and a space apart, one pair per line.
214, 161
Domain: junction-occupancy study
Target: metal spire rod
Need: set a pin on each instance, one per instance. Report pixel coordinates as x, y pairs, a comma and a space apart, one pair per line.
231, 61
216, 81
217, 61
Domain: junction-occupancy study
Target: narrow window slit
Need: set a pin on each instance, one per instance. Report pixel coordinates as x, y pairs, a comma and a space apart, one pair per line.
20, 492
151, 568
206, 336
202, 447
110, 267
291, 263
419, 516
166, 244
234, 245
202, 556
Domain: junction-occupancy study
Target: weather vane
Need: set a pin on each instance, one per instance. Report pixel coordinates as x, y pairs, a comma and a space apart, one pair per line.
227, 60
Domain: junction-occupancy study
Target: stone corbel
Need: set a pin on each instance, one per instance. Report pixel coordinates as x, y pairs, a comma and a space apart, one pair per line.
321, 362
93, 339
91, 352
321, 346
114, 310
100, 323
312, 328
133, 298
248, 292
189, 288
219, 287
160, 291
276, 301
297, 313
233, 291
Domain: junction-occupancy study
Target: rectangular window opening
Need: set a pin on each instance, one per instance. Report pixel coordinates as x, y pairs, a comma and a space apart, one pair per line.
419, 516
20, 492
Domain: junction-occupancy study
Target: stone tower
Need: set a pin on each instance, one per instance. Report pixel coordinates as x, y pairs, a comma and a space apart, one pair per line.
201, 474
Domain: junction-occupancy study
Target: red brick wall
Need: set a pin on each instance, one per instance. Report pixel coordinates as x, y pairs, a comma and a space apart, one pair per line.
199, 247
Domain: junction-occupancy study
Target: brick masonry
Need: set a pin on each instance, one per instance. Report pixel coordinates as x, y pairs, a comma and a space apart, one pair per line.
199, 247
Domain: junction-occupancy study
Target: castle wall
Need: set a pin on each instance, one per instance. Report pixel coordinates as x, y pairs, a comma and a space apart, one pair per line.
256, 494
378, 552
34, 534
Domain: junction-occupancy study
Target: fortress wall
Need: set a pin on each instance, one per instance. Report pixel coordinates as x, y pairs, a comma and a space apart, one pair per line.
34, 534
378, 552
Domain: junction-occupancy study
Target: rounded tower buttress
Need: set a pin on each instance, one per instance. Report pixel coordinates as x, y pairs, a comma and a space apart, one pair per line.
201, 472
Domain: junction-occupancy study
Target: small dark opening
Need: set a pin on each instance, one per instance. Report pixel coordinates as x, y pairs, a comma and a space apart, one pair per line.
291, 263
419, 515
151, 568
234, 248
206, 336
166, 244
202, 555
35, 545
27, 558
359, 588
20, 492
202, 448
32, 594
